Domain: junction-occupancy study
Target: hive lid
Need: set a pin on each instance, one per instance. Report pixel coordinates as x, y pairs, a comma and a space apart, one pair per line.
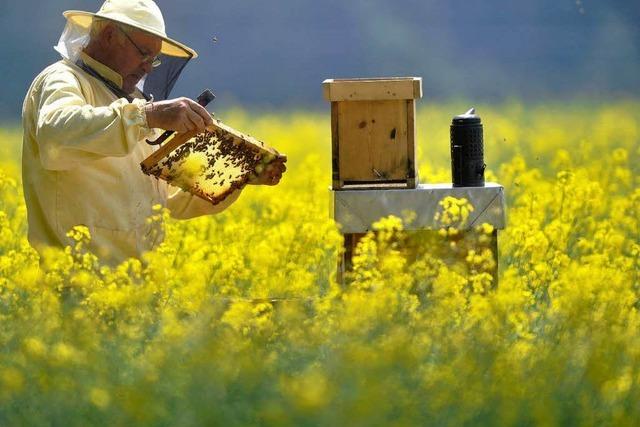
372, 89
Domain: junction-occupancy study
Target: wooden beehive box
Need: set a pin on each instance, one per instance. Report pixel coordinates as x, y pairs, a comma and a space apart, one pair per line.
373, 131
210, 165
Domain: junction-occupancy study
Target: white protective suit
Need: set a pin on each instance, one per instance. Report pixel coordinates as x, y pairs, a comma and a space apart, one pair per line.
82, 149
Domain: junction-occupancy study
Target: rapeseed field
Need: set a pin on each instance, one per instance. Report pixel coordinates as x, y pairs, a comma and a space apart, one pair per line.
238, 319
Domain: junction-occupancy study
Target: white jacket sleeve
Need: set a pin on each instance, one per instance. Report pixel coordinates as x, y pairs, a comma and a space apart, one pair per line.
184, 205
69, 130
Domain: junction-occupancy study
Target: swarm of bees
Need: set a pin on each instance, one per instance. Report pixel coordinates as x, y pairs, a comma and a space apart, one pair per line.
213, 164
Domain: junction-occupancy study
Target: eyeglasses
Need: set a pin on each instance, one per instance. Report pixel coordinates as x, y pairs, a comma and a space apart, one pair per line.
146, 59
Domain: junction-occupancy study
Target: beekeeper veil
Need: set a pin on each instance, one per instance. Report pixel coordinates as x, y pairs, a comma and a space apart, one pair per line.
143, 15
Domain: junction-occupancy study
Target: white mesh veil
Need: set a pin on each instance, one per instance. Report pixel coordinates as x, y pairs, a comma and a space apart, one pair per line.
72, 40
158, 83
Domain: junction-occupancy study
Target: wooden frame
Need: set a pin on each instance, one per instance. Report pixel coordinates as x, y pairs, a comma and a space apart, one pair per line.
180, 139
220, 168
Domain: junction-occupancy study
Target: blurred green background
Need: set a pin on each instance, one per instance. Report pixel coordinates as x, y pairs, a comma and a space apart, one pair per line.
276, 54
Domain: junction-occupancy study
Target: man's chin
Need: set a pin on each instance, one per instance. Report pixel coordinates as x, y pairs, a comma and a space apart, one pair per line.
129, 86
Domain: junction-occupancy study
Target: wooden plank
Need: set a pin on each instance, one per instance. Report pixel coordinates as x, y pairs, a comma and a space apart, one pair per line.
345, 262
377, 185
176, 141
243, 137
372, 141
335, 152
495, 273
372, 89
412, 171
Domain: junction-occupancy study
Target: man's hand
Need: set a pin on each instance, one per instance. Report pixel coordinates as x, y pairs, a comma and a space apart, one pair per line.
180, 114
272, 172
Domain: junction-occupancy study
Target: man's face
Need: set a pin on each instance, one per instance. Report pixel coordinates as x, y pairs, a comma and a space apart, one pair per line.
131, 57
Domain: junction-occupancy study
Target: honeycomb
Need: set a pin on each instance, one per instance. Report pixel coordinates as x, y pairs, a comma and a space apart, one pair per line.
212, 164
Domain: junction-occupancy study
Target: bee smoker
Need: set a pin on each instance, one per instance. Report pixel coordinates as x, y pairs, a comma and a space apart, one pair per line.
467, 150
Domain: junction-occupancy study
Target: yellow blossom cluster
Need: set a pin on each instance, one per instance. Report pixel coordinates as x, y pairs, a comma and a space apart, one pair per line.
239, 319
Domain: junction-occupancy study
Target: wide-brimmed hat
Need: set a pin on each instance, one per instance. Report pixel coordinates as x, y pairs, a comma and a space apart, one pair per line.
143, 15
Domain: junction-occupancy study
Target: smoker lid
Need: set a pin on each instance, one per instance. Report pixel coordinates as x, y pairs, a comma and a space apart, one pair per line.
468, 118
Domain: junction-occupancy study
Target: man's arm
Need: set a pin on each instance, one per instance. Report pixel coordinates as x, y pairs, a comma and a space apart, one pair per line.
70, 131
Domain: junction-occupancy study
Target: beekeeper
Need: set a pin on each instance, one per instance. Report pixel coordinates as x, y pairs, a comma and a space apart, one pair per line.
86, 118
